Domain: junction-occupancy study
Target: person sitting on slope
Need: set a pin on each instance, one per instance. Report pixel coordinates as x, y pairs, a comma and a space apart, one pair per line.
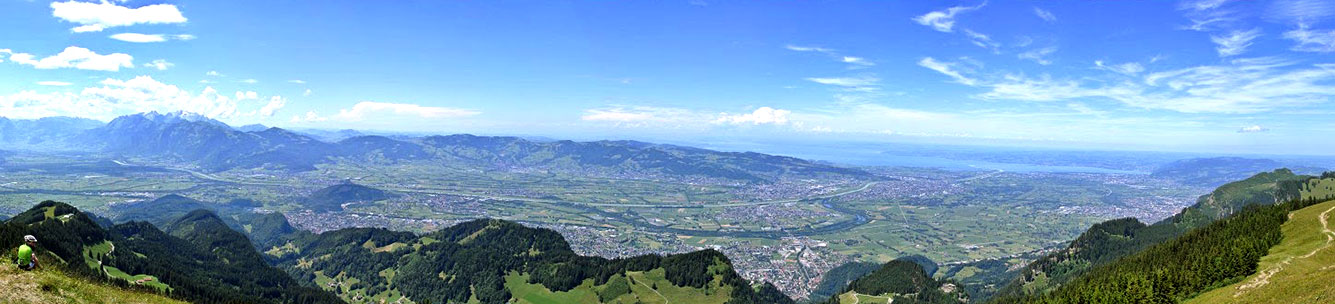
27, 260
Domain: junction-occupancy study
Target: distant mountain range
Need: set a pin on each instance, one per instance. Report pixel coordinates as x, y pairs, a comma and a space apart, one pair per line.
215, 146
1216, 171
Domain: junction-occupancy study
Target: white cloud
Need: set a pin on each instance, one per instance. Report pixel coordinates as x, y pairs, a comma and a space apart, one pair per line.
644, 116
146, 38
246, 95
138, 38
857, 60
945, 68
94, 17
862, 81
306, 93
944, 21
1242, 86
1045, 15
1301, 12
116, 97
297, 81
762, 115
88, 28
1129, 68
250, 81
53, 83
76, 57
1322, 41
160, 64
1202, 5
1235, 42
809, 49
854, 60
212, 73
1039, 55
378, 110
275, 103
981, 40
1252, 129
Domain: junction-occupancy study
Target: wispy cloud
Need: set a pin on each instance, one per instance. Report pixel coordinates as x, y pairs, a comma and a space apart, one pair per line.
1321, 41
147, 38
809, 49
1039, 55
1235, 42
861, 81
944, 20
1129, 68
250, 81
78, 58
982, 40
380, 111
297, 81
1241, 86
1045, 15
95, 17
947, 69
853, 60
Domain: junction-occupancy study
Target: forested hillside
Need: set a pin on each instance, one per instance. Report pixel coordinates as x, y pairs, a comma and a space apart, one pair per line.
900, 281
1114, 239
1217, 253
494, 261
206, 262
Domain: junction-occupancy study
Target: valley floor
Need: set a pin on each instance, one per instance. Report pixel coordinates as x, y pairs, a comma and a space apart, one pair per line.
1298, 270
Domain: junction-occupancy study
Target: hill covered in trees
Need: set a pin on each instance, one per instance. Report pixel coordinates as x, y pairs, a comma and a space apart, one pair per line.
1118, 238
202, 262
1124, 261
900, 281
495, 261
333, 197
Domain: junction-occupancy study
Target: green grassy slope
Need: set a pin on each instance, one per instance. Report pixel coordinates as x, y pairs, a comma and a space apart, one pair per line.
1296, 271
53, 286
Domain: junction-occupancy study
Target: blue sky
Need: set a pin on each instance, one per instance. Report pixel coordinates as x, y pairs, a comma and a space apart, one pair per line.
1218, 76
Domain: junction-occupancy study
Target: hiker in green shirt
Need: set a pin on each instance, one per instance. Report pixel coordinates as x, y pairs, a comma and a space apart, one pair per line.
27, 261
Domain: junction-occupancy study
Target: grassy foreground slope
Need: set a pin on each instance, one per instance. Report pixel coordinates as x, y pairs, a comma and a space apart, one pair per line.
1298, 270
51, 286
